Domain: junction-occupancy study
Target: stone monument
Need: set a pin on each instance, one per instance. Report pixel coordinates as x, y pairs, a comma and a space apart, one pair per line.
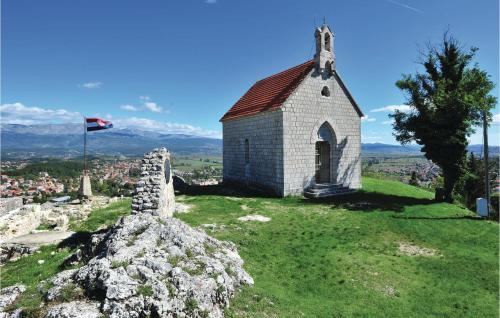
85, 191
154, 193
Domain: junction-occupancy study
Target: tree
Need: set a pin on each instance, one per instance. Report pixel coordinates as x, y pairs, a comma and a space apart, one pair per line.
414, 180
446, 104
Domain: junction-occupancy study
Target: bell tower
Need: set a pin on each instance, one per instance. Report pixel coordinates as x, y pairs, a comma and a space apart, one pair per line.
325, 56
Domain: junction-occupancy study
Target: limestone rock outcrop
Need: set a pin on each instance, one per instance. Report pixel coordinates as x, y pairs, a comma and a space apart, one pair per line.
160, 267
149, 264
8, 296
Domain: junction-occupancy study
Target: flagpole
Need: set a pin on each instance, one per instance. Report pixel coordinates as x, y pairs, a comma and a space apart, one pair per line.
84, 145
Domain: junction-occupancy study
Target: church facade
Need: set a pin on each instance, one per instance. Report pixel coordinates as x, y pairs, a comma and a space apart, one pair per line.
296, 132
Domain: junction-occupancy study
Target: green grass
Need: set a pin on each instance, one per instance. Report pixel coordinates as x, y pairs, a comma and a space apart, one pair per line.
337, 257
340, 257
45, 227
145, 290
189, 164
28, 271
102, 218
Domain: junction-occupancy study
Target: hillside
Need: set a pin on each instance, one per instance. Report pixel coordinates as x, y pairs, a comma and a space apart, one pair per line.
348, 257
56, 140
386, 251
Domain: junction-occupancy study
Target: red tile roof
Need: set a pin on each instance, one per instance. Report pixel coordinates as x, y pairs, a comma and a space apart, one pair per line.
269, 93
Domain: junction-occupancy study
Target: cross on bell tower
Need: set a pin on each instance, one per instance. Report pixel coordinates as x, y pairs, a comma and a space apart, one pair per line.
325, 56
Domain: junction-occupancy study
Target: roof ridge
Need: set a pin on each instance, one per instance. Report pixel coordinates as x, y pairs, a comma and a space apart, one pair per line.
270, 92
284, 71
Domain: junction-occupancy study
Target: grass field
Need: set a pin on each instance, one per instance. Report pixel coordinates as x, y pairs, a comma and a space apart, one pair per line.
334, 258
341, 258
192, 163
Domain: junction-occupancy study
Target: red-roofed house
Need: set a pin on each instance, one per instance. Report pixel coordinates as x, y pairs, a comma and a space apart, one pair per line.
296, 132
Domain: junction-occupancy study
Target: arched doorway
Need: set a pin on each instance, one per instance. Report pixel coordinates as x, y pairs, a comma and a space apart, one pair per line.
322, 162
326, 141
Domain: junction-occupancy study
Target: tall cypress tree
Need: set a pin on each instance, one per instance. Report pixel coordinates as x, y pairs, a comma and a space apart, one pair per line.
447, 101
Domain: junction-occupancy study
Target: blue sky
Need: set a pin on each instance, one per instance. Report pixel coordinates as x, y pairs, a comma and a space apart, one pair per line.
177, 66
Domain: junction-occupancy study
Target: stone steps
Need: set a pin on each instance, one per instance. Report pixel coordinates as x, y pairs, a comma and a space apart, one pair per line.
324, 190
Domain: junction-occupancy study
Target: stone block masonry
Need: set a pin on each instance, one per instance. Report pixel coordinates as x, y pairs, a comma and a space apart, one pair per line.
295, 129
154, 190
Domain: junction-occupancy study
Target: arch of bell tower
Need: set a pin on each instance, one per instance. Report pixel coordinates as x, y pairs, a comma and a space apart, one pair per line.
325, 54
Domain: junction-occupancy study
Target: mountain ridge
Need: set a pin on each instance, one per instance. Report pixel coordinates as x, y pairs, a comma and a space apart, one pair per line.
66, 140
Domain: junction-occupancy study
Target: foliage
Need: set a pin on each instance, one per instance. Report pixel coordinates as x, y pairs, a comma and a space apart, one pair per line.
446, 104
472, 184
59, 169
413, 180
111, 188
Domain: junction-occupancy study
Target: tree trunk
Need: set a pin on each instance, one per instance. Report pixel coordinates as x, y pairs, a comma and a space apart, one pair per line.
450, 178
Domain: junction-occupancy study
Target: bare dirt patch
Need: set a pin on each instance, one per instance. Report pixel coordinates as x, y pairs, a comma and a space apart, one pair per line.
181, 208
414, 250
254, 217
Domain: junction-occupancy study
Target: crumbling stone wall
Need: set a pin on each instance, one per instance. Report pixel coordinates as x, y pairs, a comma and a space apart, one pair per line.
9, 204
155, 190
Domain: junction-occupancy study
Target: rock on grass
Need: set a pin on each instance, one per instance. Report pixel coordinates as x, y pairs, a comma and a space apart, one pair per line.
8, 296
151, 266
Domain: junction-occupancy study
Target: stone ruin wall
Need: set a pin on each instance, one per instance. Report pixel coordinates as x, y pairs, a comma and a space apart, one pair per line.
154, 190
9, 204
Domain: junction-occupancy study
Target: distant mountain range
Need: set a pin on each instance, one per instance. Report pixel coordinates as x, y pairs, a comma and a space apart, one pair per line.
378, 149
20, 141
58, 140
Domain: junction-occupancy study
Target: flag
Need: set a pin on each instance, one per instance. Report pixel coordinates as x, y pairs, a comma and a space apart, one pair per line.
97, 124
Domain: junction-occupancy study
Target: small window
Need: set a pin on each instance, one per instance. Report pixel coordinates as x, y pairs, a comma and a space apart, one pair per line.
247, 151
325, 91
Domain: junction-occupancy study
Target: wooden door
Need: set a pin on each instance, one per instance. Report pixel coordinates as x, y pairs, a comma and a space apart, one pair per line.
322, 156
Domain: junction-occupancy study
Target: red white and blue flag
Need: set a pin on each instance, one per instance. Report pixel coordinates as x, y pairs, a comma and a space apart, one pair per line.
97, 124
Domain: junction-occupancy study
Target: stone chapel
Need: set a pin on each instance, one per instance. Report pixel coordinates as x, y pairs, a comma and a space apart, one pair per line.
297, 132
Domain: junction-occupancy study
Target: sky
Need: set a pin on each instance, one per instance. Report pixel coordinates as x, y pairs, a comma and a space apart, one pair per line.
177, 66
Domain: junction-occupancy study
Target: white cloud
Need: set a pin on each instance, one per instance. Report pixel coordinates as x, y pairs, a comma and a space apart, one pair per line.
147, 104
367, 118
164, 127
17, 113
370, 139
496, 119
153, 107
392, 108
92, 85
128, 107
404, 5
211, 1
387, 122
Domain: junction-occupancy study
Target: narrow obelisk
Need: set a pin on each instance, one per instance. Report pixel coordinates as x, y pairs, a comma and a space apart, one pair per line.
85, 190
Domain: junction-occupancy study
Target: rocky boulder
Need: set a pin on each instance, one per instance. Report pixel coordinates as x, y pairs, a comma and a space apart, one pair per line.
8, 296
147, 265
